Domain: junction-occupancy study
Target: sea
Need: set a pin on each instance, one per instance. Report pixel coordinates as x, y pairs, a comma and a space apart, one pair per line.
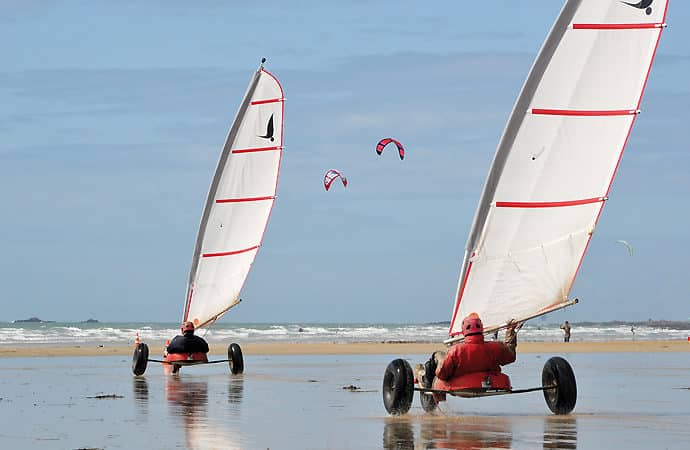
57, 333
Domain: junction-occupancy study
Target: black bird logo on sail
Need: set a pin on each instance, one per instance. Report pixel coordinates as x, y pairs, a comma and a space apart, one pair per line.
642, 4
269, 130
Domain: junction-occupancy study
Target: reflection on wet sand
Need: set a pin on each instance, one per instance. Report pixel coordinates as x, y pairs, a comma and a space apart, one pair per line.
188, 400
560, 432
141, 390
398, 434
449, 432
472, 432
235, 389
141, 397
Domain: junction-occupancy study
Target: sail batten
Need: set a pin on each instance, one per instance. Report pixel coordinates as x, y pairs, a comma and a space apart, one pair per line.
246, 199
270, 100
616, 26
584, 201
230, 253
239, 202
584, 113
556, 160
256, 149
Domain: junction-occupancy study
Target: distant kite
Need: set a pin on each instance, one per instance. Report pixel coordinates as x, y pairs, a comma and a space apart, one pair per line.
330, 177
383, 142
628, 246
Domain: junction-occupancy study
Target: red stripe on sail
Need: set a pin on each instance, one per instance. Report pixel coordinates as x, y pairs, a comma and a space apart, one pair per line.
616, 26
457, 304
262, 102
189, 303
256, 149
246, 199
282, 128
275, 189
586, 113
620, 156
584, 201
234, 252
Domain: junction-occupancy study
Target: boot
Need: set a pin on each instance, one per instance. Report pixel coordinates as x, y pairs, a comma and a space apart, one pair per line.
429, 371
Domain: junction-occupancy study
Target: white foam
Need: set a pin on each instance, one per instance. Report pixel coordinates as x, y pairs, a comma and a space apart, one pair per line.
125, 333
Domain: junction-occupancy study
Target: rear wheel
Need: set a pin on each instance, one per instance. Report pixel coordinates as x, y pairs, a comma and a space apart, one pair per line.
429, 403
140, 359
428, 400
235, 359
562, 397
398, 387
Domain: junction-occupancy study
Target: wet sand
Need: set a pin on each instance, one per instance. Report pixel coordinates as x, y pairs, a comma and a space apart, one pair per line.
368, 348
625, 400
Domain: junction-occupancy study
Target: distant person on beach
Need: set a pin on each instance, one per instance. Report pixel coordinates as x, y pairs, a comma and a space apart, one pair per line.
566, 331
473, 354
632, 330
187, 342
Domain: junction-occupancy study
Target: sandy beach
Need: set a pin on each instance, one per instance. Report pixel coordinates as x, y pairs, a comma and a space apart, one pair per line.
372, 348
297, 401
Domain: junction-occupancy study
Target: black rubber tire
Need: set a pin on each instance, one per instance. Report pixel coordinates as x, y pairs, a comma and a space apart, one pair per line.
398, 387
429, 403
140, 359
235, 359
562, 399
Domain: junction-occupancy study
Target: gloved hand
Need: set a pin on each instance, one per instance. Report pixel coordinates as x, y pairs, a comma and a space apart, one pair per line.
511, 333
429, 371
439, 356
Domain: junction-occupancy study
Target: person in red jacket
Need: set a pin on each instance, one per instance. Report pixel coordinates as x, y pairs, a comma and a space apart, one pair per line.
472, 355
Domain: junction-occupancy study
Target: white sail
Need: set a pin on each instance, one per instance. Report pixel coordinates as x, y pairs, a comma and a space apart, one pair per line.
556, 160
239, 203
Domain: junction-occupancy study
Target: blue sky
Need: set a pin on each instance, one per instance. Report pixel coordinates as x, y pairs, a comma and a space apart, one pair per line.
112, 116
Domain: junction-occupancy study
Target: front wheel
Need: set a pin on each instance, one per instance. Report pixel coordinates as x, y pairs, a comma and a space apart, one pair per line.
235, 359
140, 359
398, 387
562, 396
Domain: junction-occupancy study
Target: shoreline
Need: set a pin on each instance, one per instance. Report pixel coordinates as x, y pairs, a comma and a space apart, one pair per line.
353, 348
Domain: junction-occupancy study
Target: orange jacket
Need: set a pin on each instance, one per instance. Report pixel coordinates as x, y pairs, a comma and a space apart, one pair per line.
475, 355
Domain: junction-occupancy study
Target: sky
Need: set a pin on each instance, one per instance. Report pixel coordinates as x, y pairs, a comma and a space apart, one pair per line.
113, 114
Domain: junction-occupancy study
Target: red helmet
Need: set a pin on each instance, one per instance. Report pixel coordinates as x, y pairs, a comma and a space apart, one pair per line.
187, 326
472, 324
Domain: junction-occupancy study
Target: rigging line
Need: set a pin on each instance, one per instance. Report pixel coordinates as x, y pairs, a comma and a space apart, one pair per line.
510, 257
522, 251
